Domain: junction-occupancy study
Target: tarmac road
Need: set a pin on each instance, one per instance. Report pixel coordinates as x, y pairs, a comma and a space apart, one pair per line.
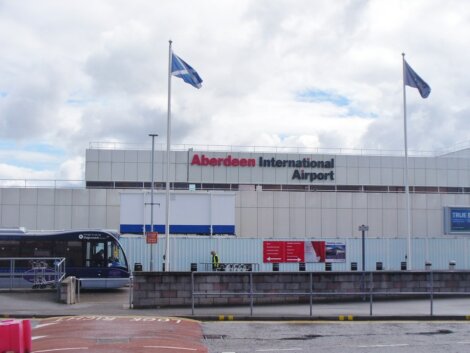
103, 322
341, 337
99, 334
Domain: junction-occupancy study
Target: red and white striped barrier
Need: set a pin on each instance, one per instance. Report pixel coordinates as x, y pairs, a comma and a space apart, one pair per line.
15, 336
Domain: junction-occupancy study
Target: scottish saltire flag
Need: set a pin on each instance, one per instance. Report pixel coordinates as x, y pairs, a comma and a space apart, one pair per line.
181, 69
412, 79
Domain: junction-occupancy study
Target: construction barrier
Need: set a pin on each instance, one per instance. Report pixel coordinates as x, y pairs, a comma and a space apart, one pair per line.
15, 336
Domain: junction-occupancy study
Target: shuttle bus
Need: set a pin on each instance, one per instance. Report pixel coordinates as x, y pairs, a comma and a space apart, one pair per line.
94, 256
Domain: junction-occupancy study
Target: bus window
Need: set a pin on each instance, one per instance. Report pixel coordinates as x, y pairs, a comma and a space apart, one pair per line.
42, 252
73, 253
9, 248
35, 248
95, 254
116, 257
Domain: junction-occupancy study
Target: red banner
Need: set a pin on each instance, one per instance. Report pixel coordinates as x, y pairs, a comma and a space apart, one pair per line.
295, 251
274, 251
283, 251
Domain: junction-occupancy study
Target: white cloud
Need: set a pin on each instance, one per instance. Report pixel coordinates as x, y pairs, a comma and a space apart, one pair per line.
72, 169
10, 172
71, 74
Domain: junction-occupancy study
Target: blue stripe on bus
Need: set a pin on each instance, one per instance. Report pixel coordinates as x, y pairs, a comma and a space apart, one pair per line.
179, 229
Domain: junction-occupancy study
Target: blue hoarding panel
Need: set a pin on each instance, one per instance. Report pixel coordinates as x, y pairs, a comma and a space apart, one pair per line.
460, 219
179, 229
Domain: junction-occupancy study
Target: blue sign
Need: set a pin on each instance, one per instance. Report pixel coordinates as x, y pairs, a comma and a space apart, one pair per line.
460, 219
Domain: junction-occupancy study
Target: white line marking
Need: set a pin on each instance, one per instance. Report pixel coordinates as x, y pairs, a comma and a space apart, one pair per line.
60, 349
385, 345
463, 342
278, 349
168, 347
37, 337
44, 325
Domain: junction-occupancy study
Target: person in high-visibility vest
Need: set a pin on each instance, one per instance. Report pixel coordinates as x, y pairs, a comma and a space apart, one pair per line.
215, 261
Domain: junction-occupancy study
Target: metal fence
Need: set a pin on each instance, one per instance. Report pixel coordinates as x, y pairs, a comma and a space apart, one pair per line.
42, 183
226, 267
31, 272
368, 293
112, 145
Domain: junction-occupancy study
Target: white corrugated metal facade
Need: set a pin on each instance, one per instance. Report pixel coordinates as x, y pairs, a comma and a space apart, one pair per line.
391, 252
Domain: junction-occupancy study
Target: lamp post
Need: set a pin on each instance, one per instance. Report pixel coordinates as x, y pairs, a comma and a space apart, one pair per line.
363, 228
151, 196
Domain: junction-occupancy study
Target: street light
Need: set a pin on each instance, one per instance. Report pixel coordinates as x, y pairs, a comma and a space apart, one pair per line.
151, 197
363, 229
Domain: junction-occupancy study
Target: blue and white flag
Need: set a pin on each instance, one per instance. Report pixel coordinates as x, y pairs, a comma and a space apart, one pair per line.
181, 69
412, 79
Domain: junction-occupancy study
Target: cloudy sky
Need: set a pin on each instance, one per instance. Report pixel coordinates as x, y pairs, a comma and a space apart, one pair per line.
307, 73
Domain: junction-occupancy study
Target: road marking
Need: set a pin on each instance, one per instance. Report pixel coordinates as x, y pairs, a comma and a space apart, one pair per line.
343, 318
168, 347
121, 318
385, 345
463, 342
37, 337
44, 325
61, 349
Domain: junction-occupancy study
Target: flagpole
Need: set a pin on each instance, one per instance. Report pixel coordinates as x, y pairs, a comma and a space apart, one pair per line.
151, 197
407, 187
167, 181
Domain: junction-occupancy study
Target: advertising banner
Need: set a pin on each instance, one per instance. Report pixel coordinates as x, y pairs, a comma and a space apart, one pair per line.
460, 219
303, 251
335, 252
315, 251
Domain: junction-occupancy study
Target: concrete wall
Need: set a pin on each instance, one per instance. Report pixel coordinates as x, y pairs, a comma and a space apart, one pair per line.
338, 214
130, 165
154, 289
51, 209
259, 214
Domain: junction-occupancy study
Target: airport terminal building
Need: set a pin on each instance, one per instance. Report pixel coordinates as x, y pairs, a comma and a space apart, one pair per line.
300, 195
275, 194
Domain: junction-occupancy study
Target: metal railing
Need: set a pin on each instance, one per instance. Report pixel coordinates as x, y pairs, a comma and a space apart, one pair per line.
104, 145
31, 272
41, 183
231, 267
367, 293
